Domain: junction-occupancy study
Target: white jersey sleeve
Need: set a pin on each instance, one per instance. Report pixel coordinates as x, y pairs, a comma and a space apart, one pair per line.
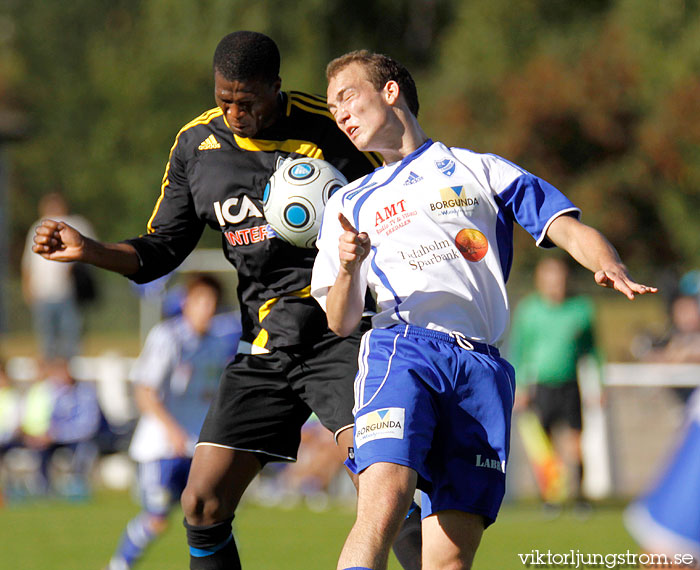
327, 261
157, 359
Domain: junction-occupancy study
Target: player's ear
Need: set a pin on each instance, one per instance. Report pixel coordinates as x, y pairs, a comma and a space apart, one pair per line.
277, 84
391, 92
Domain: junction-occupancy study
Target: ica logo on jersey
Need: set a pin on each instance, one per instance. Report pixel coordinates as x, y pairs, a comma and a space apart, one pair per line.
246, 209
234, 211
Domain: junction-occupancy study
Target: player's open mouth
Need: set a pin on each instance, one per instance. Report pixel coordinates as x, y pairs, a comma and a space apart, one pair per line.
351, 131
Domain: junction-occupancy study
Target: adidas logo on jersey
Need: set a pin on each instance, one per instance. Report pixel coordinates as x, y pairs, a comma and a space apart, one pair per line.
412, 178
209, 143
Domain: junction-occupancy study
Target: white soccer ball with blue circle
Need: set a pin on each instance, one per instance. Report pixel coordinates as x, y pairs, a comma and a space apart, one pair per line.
295, 197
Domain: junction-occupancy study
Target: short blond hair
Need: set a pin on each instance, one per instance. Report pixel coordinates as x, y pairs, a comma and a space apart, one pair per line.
380, 69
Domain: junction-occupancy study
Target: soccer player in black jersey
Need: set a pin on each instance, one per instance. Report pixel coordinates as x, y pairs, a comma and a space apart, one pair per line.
289, 363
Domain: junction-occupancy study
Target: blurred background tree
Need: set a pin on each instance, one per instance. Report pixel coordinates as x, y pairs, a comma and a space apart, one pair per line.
602, 98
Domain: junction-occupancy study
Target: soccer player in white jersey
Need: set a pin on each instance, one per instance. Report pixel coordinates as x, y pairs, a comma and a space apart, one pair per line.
175, 378
430, 233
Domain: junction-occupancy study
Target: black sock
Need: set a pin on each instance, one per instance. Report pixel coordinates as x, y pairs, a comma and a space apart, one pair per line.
212, 547
407, 546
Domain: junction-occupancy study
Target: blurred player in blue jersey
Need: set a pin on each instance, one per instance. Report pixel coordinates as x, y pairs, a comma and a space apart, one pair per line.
175, 379
430, 233
666, 519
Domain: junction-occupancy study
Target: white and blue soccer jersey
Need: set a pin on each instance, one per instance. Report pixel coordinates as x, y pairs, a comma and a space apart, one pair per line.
184, 368
441, 224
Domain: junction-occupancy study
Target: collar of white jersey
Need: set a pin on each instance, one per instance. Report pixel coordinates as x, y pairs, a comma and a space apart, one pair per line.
366, 188
409, 157
357, 187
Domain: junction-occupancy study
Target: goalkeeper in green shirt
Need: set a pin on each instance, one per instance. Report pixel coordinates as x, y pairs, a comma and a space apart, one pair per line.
551, 332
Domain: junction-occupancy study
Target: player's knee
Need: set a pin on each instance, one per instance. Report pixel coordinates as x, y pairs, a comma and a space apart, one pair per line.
201, 507
448, 558
451, 539
191, 506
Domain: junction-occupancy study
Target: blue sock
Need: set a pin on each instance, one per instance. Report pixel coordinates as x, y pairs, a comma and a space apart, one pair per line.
134, 541
412, 508
357, 568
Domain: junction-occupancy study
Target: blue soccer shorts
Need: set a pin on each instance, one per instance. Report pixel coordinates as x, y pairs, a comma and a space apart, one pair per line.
161, 483
440, 405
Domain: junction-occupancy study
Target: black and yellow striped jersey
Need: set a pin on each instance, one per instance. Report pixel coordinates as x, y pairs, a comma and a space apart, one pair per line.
215, 178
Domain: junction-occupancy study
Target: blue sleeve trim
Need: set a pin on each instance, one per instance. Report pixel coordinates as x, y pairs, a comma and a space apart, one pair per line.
534, 203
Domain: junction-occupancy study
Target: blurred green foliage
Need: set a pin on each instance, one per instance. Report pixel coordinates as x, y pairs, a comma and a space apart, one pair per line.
602, 98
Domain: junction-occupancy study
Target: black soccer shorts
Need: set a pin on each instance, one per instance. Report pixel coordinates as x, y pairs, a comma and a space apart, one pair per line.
264, 399
558, 404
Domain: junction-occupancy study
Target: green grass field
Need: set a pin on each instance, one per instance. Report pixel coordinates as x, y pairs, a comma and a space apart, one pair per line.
55, 535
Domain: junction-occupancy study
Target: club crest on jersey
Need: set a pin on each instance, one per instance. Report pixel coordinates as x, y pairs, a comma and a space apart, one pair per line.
453, 200
446, 166
380, 424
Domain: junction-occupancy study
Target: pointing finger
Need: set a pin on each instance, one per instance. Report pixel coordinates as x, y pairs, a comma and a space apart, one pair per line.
346, 225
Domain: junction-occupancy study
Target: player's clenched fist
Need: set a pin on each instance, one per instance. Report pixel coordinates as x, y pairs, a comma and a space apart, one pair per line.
58, 241
353, 246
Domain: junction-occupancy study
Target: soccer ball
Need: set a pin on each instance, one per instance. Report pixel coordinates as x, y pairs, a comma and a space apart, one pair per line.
295, 196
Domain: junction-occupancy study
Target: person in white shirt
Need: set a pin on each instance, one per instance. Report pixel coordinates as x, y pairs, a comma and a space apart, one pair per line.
430, 234
175, 379
49, 288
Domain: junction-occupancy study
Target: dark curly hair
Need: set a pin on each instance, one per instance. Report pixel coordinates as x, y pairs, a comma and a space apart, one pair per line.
247, 55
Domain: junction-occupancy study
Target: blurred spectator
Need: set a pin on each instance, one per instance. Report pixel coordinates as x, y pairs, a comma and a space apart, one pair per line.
60, 421
666, 520
50, 289
9, 412
683, 344
689, 283
551, 332
175, 379
9, 423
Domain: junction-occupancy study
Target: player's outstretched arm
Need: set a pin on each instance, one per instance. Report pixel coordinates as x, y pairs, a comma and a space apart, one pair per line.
345, 302
58, 241
592, 250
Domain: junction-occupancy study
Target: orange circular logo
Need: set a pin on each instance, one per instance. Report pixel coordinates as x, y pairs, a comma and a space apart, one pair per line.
472, 244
